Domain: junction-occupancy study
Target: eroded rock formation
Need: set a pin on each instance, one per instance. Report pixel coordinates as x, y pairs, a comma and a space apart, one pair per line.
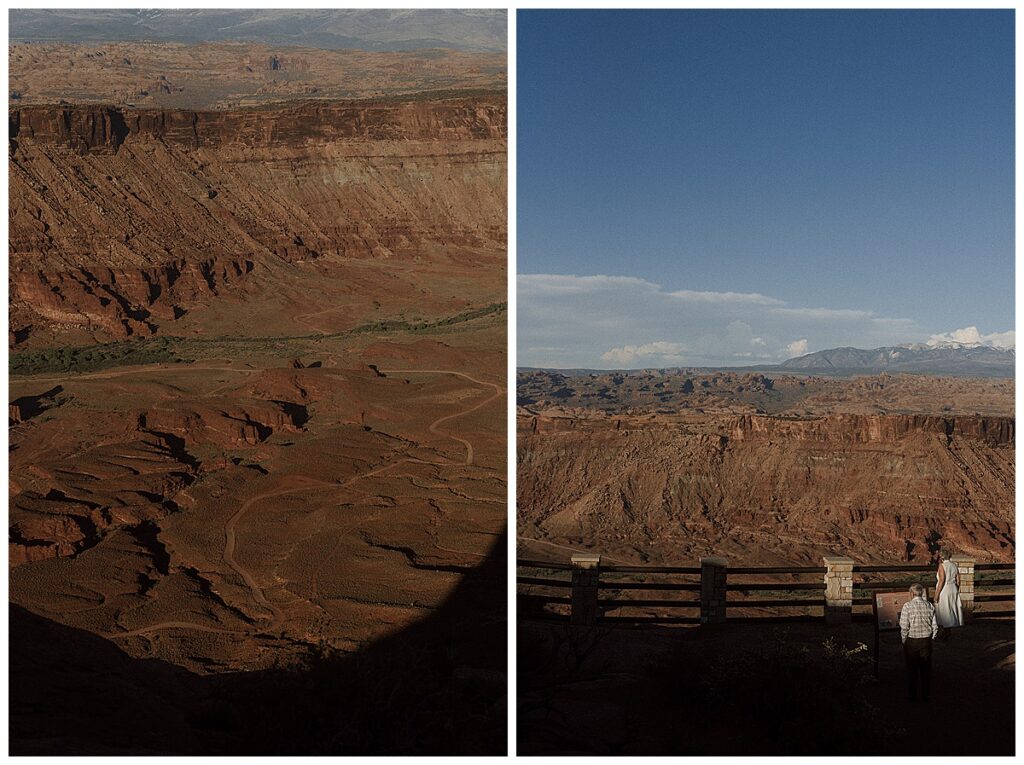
123, 221
766, 489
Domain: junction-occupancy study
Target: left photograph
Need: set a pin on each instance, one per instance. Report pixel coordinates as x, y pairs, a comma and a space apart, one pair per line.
257, 382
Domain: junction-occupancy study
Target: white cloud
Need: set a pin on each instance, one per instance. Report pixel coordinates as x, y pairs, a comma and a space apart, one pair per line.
623, 356
971, 336
797, 348
567, 285
824, 313
546, 349
726, 297
1002, 339
621, 321
658, 353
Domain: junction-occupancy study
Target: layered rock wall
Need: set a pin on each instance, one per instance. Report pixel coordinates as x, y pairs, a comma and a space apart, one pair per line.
774, 490
94, 129
866, 429
121, 221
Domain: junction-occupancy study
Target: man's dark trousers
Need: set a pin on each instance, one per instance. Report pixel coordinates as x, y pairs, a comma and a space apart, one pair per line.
918, 653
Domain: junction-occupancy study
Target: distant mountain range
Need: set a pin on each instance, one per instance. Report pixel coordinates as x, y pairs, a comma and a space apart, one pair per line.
392, 29
941, 359
936, 359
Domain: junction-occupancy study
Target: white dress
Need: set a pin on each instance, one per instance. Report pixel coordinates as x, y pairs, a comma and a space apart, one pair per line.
948, 611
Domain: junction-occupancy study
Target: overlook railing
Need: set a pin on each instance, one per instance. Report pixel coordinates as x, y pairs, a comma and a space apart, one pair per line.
585, 592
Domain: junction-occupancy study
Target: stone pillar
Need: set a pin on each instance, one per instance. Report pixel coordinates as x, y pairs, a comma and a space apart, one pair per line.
965, 565
838, 590
712, 590
586, 571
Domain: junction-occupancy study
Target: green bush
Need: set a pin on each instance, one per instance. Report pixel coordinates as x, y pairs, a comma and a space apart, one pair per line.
94, 357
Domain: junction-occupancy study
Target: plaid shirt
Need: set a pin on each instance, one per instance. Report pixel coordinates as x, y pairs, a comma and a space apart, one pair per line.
917, 620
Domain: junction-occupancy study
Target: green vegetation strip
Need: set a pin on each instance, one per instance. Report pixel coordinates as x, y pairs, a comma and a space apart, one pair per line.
94, 357
170, 349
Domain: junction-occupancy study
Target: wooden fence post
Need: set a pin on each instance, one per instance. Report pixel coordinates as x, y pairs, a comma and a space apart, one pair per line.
965, 564
713, 573
586, 572
838, 590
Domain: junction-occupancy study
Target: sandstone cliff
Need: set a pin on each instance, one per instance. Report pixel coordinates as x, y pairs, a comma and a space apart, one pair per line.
866, 429
123, 221
99, 129
768, 489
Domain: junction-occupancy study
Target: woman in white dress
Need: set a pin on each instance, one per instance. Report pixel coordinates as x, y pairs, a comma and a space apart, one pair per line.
949, 611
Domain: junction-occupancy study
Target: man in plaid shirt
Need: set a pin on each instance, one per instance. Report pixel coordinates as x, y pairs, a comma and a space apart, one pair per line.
918, 627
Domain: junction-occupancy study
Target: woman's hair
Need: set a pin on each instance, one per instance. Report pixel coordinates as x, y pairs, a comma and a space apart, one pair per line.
946, 554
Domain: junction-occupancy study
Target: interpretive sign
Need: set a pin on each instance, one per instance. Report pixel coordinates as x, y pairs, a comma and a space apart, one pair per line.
888, 606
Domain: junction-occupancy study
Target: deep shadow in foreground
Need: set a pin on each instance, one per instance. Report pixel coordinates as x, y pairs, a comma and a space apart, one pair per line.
771, 689
438, 687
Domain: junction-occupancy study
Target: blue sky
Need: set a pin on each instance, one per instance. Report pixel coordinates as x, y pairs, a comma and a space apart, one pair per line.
761, 183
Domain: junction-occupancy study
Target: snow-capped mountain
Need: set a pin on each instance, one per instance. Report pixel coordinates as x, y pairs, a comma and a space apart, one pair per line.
937, 358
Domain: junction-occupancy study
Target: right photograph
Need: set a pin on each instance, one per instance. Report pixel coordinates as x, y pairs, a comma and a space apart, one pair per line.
765, 390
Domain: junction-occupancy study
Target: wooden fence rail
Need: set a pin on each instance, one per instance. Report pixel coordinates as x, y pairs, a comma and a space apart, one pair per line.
833, 598
543, 582
682, 586
650, 570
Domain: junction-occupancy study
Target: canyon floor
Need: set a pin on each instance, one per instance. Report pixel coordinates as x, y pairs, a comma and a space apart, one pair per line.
257, 402
223, 512
241, 519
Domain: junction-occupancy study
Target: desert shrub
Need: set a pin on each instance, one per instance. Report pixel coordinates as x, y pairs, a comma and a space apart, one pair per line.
93, 357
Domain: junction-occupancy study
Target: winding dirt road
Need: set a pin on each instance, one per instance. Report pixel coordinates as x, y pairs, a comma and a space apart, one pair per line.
230, 536
173, 625
498, 391
276, 615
